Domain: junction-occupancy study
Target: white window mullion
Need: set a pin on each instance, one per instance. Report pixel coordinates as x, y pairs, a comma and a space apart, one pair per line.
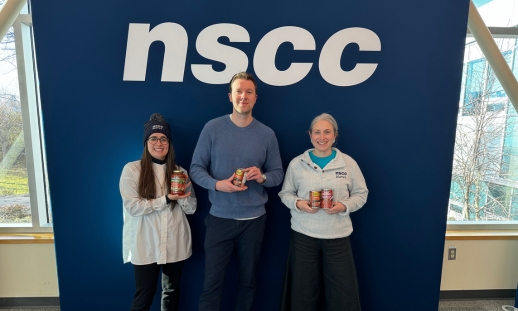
29, 106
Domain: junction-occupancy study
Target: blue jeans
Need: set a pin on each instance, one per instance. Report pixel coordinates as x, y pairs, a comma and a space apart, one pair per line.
223, 237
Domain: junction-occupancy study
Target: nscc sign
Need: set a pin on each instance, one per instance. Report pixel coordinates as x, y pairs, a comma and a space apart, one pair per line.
175, 39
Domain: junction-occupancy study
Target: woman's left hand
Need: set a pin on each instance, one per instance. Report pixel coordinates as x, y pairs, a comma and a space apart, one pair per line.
337, 208
173, 197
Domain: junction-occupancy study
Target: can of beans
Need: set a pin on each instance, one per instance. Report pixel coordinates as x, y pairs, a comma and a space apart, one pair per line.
327, 198
315, 196
178, 180
238, 178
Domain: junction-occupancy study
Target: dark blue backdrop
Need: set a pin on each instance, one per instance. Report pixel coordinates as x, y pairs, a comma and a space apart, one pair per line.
399, 125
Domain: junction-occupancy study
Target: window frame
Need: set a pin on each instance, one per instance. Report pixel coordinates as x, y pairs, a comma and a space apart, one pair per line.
32, 130
496, 32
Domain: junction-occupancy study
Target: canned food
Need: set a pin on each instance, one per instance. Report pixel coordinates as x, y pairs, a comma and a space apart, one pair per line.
178, 181
315, 197
327, 198
238, 178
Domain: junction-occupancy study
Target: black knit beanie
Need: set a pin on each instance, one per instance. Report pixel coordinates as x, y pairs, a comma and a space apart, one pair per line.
156, 124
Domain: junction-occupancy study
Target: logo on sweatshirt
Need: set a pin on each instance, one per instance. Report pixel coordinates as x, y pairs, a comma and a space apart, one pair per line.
341, 174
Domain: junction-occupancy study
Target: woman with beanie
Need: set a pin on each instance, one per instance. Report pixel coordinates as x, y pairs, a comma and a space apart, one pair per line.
156, 234
320, 269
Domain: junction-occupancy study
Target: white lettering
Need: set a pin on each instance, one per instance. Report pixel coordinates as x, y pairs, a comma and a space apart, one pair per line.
264, 57
329, 63
207, 46
140, 38
175, 40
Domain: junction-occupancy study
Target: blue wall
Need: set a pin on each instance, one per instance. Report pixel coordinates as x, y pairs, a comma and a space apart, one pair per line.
399, 125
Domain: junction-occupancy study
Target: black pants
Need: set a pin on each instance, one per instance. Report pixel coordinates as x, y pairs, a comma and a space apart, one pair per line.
320, 275
223, 237
146, 278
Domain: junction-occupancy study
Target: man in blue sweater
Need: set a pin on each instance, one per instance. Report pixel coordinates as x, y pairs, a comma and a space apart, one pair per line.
236, 220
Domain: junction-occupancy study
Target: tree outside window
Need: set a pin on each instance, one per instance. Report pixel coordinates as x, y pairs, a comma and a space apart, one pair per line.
24, 199
485, 177
14, 189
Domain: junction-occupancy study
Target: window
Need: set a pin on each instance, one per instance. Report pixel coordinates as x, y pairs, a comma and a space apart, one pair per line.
473, 90
24, 200
484, 186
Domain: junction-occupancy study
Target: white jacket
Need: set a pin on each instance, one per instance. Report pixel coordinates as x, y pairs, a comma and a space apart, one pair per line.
341, 174
153, 232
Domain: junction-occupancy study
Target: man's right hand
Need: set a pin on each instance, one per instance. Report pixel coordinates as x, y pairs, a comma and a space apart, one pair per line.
303, 205
226, 185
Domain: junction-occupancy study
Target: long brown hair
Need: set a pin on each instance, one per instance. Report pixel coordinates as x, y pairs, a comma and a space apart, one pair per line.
146, 182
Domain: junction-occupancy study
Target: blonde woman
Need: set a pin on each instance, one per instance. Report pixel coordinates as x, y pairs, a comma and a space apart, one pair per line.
321, 267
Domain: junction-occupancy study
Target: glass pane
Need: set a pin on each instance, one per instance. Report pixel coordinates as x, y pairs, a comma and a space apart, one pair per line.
485, 167
15, 205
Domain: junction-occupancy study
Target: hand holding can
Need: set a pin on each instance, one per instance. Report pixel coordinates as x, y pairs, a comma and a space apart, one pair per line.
327, 198
239, 178
178, 181
315, 197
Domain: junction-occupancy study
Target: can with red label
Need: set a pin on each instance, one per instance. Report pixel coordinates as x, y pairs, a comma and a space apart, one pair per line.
327, 198
315, 196
178, 180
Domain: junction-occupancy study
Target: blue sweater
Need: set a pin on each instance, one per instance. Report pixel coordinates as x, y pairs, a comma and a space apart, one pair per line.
221, 149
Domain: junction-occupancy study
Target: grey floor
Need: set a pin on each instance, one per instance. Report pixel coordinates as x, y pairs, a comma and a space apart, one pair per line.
475, 305
462, 305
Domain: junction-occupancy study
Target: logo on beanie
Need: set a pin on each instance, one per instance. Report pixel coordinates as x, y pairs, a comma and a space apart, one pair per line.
158, 127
